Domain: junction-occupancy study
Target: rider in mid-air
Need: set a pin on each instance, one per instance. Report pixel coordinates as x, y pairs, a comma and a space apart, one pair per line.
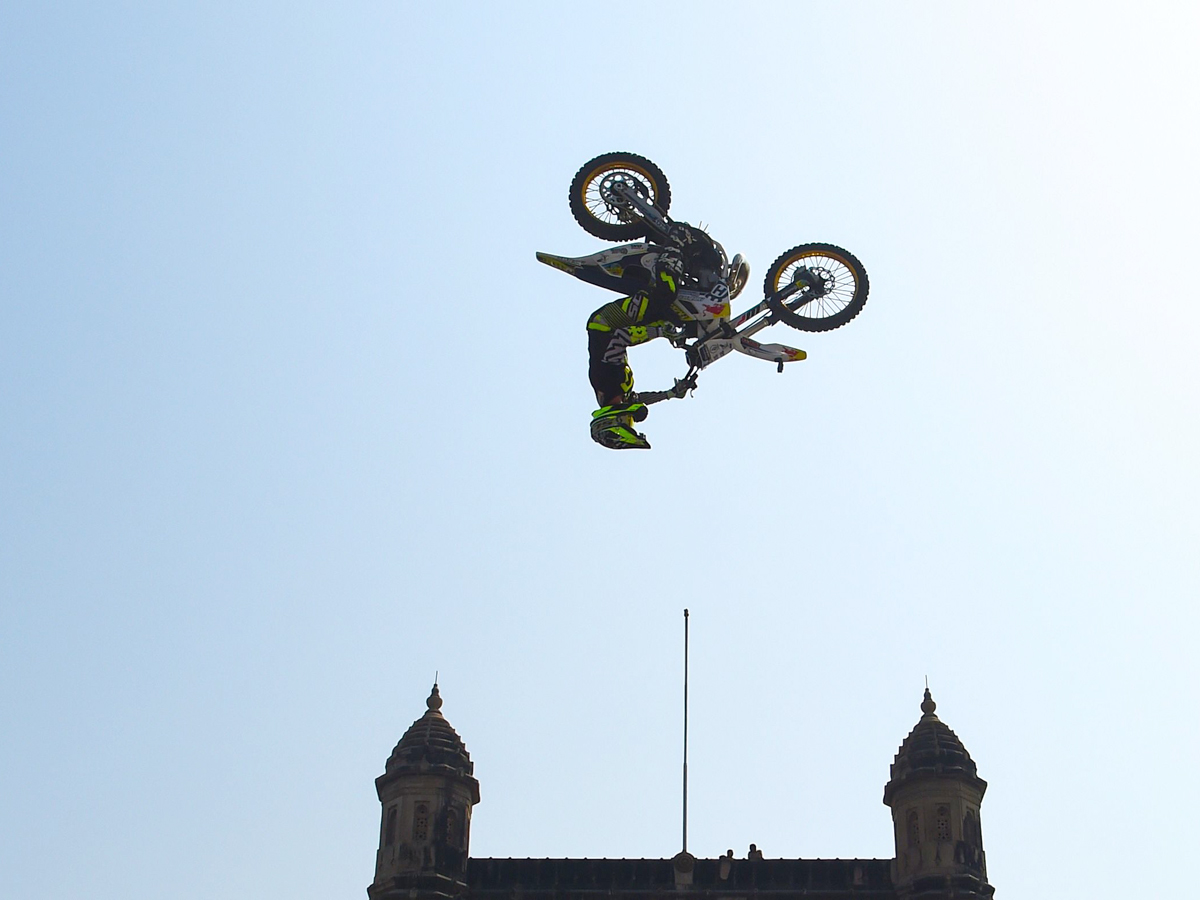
653, 311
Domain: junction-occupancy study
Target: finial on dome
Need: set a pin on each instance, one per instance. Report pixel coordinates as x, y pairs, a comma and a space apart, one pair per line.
435, 699
927, 705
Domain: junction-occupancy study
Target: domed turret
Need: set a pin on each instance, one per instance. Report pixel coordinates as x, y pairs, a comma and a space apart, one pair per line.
935, 794
430, 742
427, 790
931, 748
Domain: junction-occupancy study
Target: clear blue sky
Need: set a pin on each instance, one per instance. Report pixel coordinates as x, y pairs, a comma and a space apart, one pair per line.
290, 418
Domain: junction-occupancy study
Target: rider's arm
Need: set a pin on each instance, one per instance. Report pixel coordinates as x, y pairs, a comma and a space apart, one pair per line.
663, 287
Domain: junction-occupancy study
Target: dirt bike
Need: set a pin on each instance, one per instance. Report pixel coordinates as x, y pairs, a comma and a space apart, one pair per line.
625, 197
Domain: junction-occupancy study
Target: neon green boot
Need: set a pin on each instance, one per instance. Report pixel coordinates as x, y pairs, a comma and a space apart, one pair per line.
612, 426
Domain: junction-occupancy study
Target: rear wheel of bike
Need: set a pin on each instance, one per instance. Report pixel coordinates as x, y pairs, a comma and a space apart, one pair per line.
837, 292
600, 212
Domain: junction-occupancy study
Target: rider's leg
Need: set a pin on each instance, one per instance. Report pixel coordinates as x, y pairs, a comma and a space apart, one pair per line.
612, 380
609, 380
608, 368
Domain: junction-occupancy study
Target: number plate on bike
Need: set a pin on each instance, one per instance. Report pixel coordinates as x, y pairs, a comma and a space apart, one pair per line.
710, 351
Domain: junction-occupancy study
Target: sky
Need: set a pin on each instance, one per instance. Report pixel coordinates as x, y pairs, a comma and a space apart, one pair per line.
291, 419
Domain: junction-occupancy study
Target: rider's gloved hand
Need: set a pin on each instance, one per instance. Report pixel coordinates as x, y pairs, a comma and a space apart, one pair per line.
682, 386
672, 333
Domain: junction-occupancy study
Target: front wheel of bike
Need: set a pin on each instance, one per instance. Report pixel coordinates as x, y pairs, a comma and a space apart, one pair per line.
835, 292
600, 211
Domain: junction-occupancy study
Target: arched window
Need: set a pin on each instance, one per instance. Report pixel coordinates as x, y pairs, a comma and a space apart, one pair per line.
913, 828
452, 836
389, 833
421, 822
943, 823
970, 835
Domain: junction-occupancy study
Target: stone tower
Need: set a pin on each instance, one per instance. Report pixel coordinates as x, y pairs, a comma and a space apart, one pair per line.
934, 794
427, 790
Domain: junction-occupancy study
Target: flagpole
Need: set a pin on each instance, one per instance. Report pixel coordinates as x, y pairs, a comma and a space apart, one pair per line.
685, 725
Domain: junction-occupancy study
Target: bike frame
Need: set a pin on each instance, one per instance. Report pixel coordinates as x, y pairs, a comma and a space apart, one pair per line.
722, 336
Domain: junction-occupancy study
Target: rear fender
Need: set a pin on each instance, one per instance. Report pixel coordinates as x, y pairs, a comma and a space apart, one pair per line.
622, 269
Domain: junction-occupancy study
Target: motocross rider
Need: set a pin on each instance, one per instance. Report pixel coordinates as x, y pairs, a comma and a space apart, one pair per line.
649, 313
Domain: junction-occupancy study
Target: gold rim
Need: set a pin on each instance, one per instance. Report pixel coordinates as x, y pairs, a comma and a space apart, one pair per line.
837, 298
598, 173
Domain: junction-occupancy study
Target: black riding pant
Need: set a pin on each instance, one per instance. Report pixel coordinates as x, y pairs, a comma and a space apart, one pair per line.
611, 381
